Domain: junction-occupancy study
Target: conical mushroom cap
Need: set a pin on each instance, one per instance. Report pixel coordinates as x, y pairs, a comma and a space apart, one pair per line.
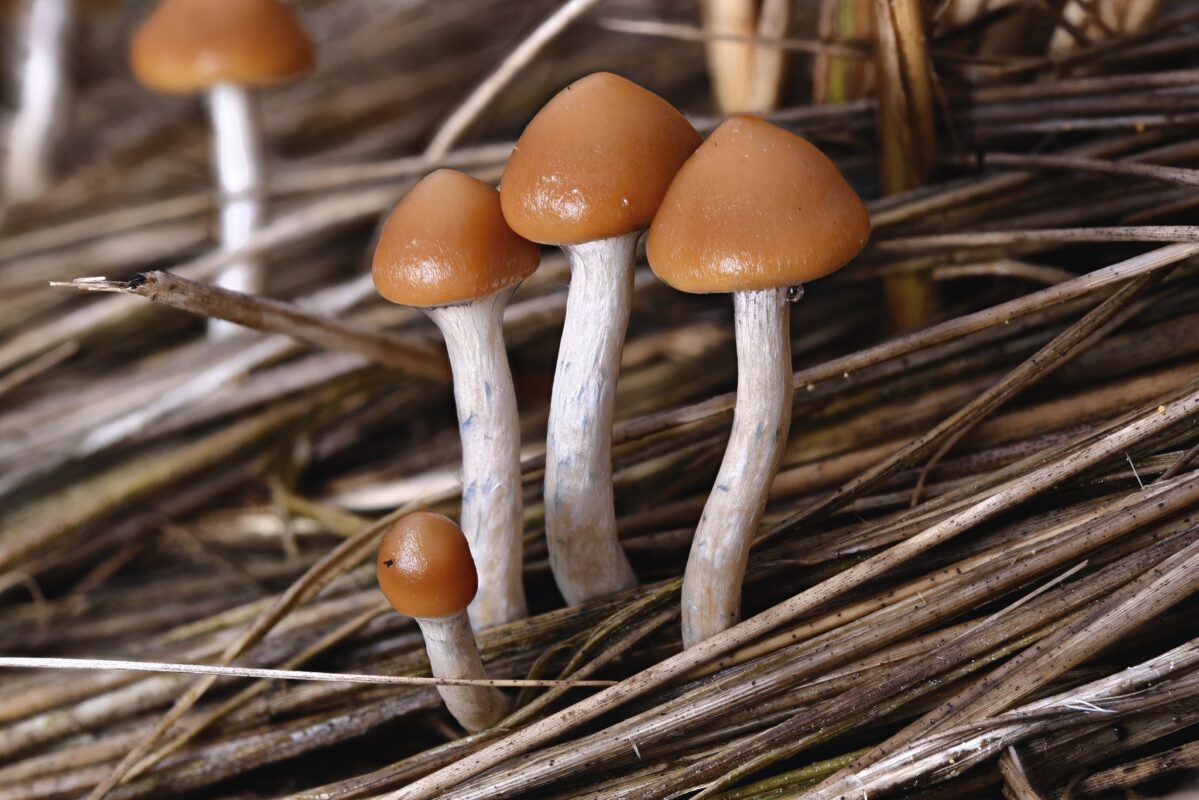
425, 568
188, 46
447, 242
755, 208
595, 162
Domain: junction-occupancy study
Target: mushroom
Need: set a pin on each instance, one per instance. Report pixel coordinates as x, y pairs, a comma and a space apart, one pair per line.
588, 174
426, 572
758, 212
41, 53
447, 250
226, 49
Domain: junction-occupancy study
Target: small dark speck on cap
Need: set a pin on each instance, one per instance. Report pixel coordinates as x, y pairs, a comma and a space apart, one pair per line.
389, 562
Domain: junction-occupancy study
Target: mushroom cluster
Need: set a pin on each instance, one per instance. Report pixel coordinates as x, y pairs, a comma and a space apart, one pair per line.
755, 211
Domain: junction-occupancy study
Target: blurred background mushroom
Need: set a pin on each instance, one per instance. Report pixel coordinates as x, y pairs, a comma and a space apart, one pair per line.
39, 68
226, 51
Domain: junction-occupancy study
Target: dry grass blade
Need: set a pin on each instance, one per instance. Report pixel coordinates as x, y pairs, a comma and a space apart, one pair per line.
962, 746
1183, 757
344, 557
875, 697
690, 33
907, 135
1004, 268
20, 662
1150, 422
275, 316
1164, 585
836, 77
38, 366
621, 642
899, 347
466, 113
817, 647
1043, 363
1184, 461
321, 215
39, 525
730, 25
1137, 233
210, 717
1153, 172
1016, 785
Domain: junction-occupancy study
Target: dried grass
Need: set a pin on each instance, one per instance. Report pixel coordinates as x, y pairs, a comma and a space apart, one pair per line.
981, 553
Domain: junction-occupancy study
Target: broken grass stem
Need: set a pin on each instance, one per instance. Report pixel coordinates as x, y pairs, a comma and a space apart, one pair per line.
277, 316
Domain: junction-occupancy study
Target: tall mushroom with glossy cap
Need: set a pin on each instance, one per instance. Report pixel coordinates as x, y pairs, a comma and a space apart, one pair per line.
426, 572
758, 212
447, 250
226, 50
588, 174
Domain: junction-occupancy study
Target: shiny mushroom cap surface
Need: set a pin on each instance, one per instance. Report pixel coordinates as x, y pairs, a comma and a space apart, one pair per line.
189, 46
425, 568
447, 242
595, 162
755, 208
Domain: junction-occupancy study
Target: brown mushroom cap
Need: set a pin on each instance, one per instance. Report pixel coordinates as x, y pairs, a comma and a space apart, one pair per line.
188, 46
595, 162
447, 242
755, 208
425, 568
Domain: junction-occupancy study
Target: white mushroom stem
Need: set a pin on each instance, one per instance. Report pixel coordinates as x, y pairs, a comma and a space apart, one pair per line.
719, 552
488, 422
580, 519
240, 176
44, 91
453, 653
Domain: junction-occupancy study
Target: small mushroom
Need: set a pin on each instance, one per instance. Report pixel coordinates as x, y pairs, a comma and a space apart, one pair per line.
426, 572
758, 212
226, 49
447, 250
588, 174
